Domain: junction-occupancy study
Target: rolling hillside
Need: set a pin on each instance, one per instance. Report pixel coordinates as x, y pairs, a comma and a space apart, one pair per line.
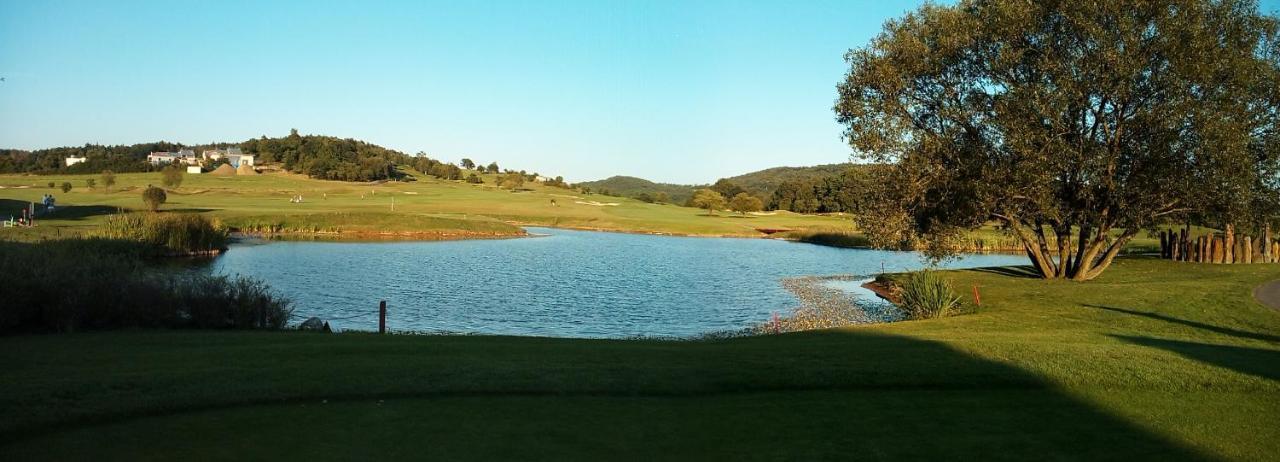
762, 183
630, 186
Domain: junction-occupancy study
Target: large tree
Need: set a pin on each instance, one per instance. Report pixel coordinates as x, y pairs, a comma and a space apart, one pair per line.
1075, 124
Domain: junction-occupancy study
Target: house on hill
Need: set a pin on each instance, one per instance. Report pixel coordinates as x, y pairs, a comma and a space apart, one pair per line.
75, 160
185, 156
233, 155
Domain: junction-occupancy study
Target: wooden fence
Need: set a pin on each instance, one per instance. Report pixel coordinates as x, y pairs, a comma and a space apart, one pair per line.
1221, 248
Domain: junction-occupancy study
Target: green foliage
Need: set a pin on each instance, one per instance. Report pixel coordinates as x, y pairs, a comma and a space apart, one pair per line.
468, 164
511, 181
727, 188
98, 284
631, 187
926, 295
108, 179
66, 186
474, 179
169, 233
744, 203
172, 175
763, 183
493, 167
90, 182
707, 199
51, 185
1068, 119
329, 158
154, 197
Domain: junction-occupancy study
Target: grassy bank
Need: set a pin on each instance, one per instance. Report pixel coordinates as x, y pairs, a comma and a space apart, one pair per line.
423, 208
1146, 362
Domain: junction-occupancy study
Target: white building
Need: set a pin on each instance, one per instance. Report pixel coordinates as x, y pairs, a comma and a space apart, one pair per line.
193, 169
233, 155
185, 156
74, 160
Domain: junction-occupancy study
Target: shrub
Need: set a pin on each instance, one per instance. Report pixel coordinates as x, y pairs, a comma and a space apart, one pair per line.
474, 179
66, 187
108, 179
100, 284
51, 185
153, 197
172, 176
925, 295
90, 182
170, 233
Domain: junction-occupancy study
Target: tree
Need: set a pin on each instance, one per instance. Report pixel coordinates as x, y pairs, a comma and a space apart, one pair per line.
90, 182
511, 180
52, 184
744, 203
172, 176
660, 197
1075, 125
474, 179
108, 179
493, 167
468, 164
153, 197
707, 199
727, 188
66, 187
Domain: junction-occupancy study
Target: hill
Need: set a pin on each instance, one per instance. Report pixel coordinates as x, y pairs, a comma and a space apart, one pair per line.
630, 186
762, 183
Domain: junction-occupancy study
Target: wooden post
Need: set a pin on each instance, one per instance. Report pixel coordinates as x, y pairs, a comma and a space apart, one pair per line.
977, 298
1266, 244
1229, 245
1246, 245
1215, 249
382, 317
1164, 244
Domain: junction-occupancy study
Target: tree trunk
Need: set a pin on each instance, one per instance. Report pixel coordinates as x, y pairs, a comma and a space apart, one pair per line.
1266, 243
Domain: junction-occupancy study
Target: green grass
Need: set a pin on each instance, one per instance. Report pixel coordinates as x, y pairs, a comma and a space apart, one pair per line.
1154, 360
424, 206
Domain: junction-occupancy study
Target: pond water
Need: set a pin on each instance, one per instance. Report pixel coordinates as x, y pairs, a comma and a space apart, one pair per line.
561, 284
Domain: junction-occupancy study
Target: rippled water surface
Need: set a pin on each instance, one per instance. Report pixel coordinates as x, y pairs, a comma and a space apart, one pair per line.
564, 284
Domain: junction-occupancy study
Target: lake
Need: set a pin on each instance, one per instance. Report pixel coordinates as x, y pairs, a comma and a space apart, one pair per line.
562, 283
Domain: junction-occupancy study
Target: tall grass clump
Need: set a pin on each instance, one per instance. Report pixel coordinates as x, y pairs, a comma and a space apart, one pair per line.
73, 285
175, 233
925, 295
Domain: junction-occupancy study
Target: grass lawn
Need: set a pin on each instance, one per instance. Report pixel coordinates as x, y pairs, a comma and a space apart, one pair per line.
426, 205
1154, 360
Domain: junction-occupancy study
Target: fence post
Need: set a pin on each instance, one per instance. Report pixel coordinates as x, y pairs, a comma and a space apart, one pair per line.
977, 297
382, 317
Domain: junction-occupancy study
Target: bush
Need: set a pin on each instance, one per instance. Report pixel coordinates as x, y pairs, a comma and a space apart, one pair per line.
925, 295
172, 175
100, 284
474, 179
66, 187
51, 185
153, 197
169, 233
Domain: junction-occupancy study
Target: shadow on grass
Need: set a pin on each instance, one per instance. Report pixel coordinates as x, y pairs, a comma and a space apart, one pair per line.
185, 210
1194, 324
799, 396
1257, 362
1023, 271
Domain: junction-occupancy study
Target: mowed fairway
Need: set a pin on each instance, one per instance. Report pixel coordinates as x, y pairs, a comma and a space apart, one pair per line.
1154, 360
426, 205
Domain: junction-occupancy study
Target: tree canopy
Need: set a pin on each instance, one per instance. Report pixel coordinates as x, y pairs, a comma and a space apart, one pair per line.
1074, 124
707, 199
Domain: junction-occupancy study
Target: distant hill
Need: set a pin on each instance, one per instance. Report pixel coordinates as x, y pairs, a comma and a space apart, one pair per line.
764, 182
630, 186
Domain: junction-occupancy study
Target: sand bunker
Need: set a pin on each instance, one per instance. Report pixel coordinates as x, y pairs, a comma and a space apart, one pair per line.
224, 170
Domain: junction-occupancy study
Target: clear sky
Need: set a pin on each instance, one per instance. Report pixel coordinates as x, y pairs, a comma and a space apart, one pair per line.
683, 92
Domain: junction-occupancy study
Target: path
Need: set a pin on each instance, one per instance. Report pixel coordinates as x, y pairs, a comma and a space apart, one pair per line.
1268, 294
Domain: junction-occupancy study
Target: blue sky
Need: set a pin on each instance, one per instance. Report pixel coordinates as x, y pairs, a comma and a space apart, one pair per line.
682, 92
